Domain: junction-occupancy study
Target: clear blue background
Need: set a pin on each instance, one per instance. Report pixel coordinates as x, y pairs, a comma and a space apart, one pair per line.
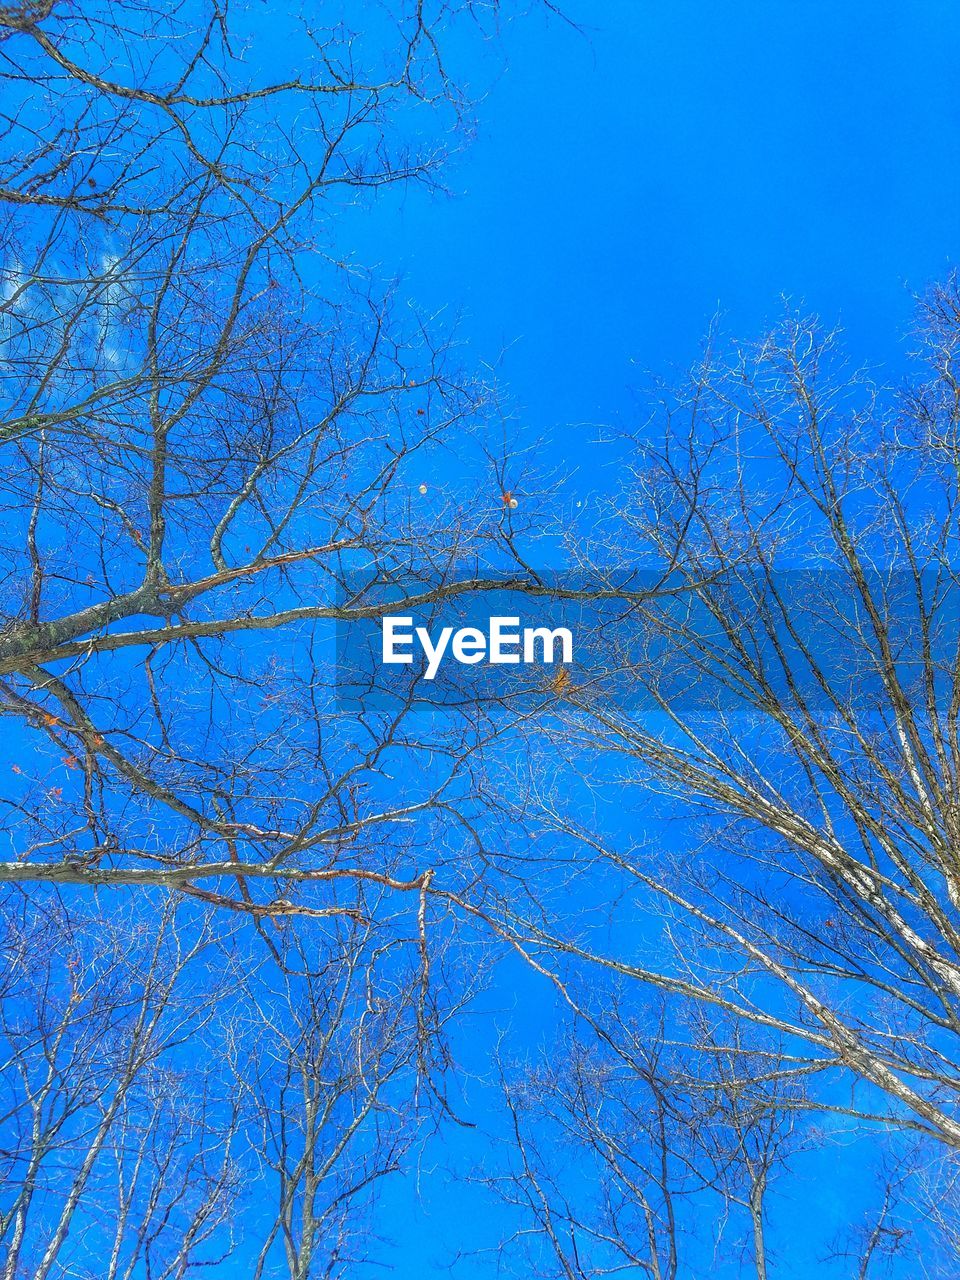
676, 158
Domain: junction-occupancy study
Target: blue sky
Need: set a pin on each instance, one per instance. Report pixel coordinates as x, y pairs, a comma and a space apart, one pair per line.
625, 183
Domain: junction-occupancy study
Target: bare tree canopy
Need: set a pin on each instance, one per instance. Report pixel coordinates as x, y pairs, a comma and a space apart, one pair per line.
211, 416
246, 921
806, 700
783, 718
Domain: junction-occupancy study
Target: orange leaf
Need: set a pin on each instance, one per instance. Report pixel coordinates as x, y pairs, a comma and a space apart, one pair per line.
560, 681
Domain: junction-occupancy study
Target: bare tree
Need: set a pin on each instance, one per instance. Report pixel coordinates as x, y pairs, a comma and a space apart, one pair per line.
641, 1154
213, 431
116, 1155
326, 1072
175, 1099
795, 693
